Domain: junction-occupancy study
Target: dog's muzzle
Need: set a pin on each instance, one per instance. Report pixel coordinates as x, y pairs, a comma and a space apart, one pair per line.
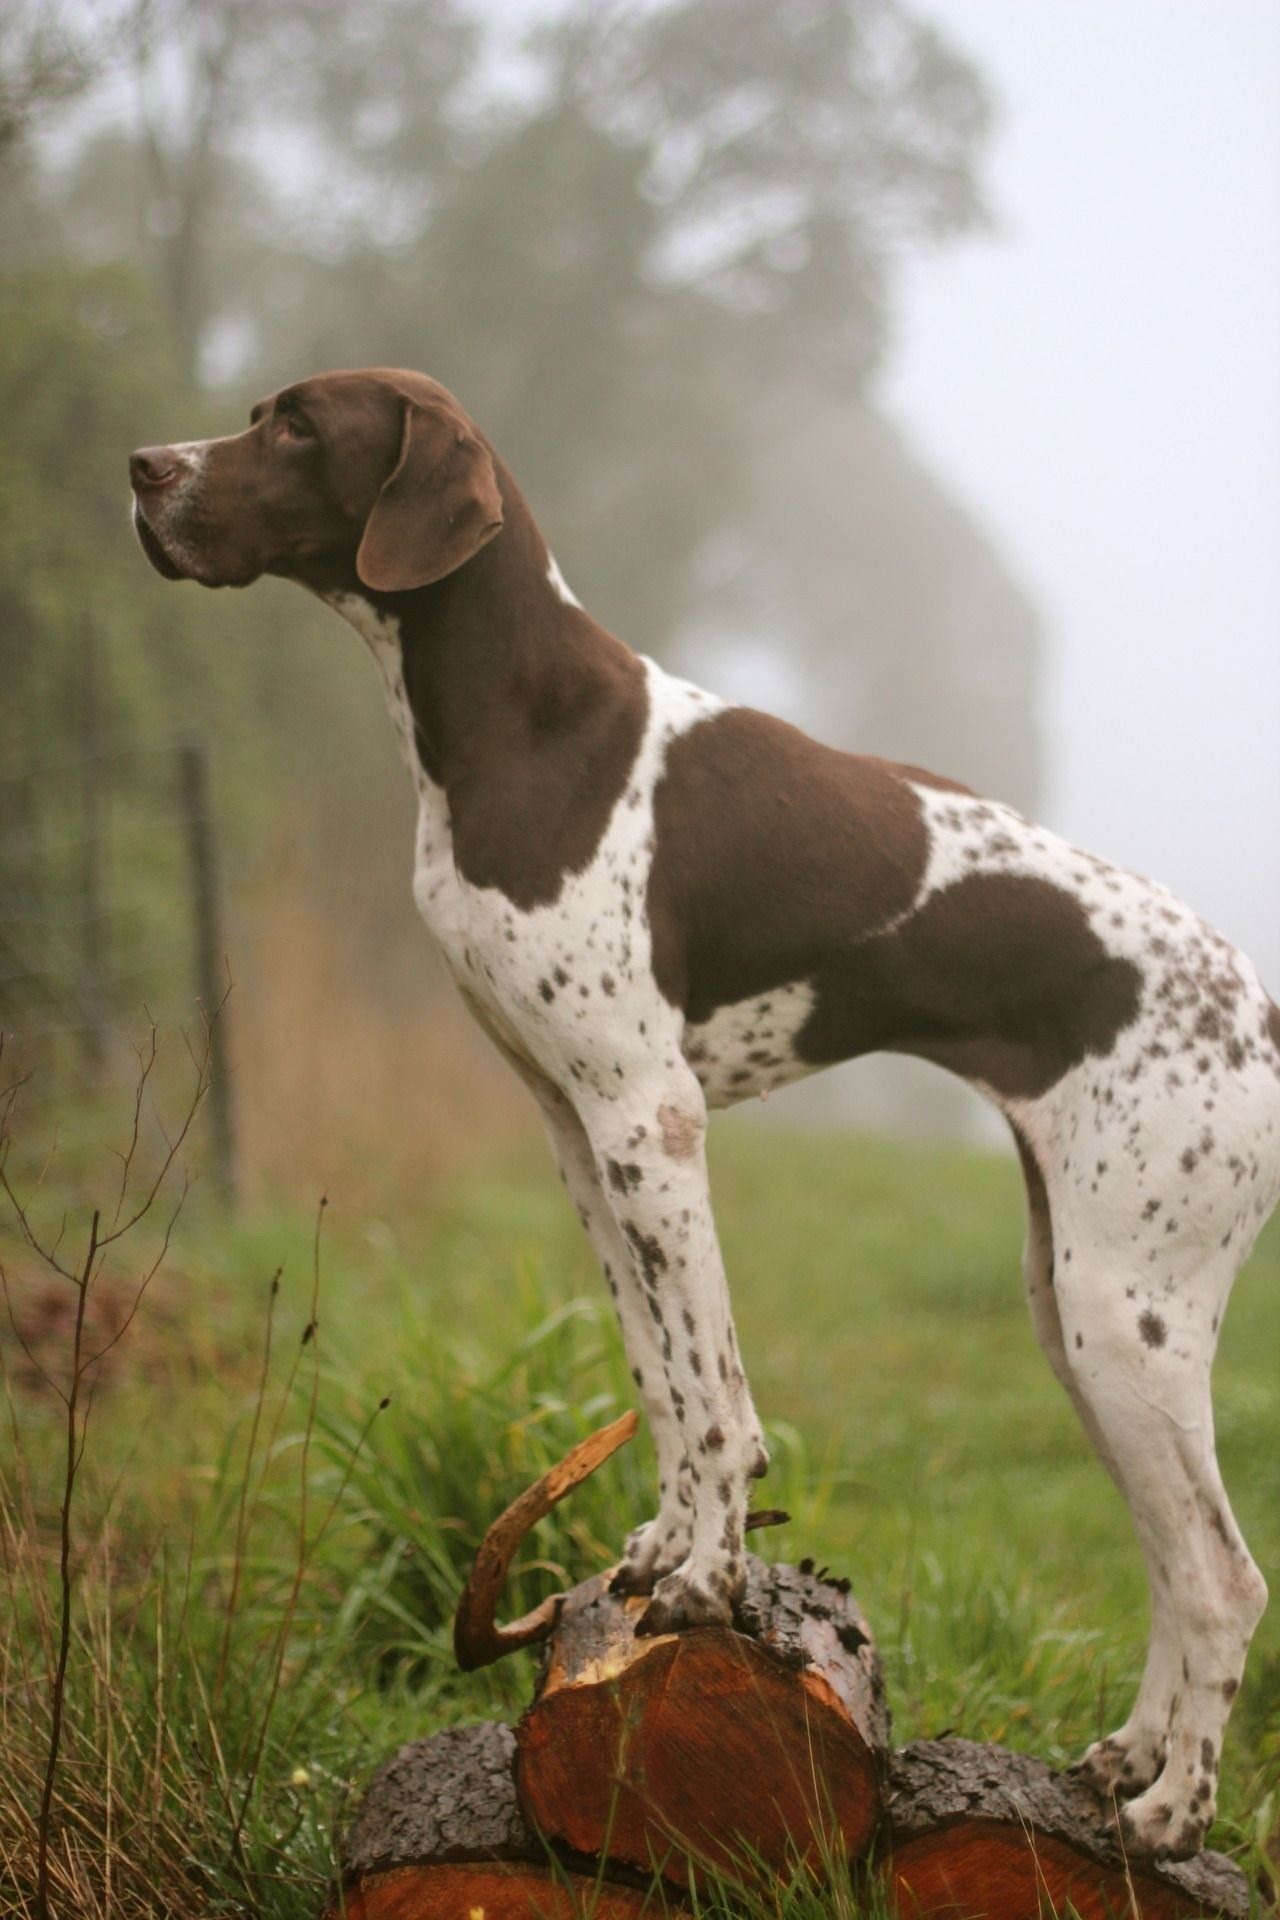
159, 477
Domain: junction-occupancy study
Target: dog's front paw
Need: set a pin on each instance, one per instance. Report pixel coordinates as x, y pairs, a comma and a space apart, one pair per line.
1163, 1825
1121, 1765
652, 1551
683, 1600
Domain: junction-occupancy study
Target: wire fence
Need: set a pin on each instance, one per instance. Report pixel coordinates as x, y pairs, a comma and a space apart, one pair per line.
109, 913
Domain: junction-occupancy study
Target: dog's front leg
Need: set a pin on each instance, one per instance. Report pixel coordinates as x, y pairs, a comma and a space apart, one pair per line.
648, 1146
661, 1544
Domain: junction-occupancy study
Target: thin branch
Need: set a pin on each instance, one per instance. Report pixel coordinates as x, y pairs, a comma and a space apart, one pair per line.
146, 1279
48, 1254
74, 1454
46, 1379
78, 1402
144, 1074
173, 1148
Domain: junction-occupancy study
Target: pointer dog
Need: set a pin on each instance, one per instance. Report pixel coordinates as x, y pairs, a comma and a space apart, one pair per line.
656, 903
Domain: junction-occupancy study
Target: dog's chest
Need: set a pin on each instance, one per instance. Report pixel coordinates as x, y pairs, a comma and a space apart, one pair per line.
568, 984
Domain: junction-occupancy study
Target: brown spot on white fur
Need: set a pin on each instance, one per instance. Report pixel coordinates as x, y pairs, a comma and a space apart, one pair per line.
681, 1132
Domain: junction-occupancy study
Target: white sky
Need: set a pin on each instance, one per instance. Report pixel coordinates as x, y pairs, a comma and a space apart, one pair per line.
1101, 383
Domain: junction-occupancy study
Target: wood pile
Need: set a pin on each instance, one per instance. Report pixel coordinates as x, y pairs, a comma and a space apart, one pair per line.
752, 1752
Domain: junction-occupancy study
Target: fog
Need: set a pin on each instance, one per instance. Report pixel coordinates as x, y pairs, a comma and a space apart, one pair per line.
1101, 380
910, 368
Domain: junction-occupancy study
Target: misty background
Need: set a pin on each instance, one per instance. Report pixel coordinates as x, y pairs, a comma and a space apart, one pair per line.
908, 369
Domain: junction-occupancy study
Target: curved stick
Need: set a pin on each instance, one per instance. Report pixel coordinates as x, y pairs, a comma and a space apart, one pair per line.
477, 1638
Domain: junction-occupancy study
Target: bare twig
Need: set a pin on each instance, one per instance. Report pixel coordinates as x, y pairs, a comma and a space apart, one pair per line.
77, 1399
147, 1278
45, 1379
58, 1690
172, 1149
145, 1064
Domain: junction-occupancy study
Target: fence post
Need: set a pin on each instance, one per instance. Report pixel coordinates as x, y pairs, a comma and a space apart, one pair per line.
193, 775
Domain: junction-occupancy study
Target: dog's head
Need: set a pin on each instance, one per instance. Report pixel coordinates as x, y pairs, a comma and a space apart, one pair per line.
376, 478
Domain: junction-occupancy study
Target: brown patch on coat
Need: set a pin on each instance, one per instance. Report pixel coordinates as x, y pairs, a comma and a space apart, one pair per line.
532, 725
681, 1132
795, 850
803, 865
999, 978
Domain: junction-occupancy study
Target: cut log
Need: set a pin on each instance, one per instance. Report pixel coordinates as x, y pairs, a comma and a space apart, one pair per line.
440, 1835
746, 1749
978, 1833
511, 1892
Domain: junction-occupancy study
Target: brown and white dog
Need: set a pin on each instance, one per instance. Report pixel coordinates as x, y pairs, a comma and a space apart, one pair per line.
656, 903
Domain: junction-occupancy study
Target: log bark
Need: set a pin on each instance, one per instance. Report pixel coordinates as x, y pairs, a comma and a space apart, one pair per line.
978, 1833
746, 1748
440, 1835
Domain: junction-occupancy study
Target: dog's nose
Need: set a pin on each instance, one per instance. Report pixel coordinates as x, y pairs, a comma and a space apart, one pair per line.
153, 466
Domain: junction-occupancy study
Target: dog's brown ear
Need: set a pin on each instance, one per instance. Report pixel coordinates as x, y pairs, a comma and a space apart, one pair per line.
437, 507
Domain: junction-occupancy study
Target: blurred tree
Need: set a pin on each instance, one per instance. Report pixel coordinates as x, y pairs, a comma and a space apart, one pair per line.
82, 355
662, 215
227, 97
897, 626
677, 212
105, 668
49, 54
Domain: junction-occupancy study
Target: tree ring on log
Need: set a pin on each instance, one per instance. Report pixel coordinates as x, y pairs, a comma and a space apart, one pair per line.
978, 1831
440, 1834
745, 1748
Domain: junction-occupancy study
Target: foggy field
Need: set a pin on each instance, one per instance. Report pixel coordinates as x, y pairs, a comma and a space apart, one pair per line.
918, 1439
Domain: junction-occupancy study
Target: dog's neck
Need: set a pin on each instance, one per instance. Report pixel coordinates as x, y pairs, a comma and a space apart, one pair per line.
499, 657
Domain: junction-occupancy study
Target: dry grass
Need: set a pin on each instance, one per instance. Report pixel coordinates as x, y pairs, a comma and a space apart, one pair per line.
357, 1068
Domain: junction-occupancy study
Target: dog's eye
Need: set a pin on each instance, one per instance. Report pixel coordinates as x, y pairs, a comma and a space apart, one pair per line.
292, 426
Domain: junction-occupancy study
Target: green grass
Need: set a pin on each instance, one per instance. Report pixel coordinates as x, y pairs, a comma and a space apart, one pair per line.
266, 1561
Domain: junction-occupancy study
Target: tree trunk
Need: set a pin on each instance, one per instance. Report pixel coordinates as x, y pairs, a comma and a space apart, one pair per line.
440, 1835
743, 1749
983, 1834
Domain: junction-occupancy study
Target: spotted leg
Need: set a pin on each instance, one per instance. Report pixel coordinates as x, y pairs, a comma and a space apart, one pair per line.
1129, 1759
1145, 1378
662, 1543
649, 1152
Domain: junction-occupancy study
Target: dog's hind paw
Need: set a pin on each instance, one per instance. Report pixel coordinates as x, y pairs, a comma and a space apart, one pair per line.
1156, 1826
1120, 1766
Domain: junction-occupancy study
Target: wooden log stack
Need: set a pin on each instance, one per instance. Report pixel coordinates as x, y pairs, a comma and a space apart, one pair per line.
753, 1753
441, 1832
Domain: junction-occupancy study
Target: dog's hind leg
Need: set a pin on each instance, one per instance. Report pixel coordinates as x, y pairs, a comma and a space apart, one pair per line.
1139, 1341
1129, 1759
